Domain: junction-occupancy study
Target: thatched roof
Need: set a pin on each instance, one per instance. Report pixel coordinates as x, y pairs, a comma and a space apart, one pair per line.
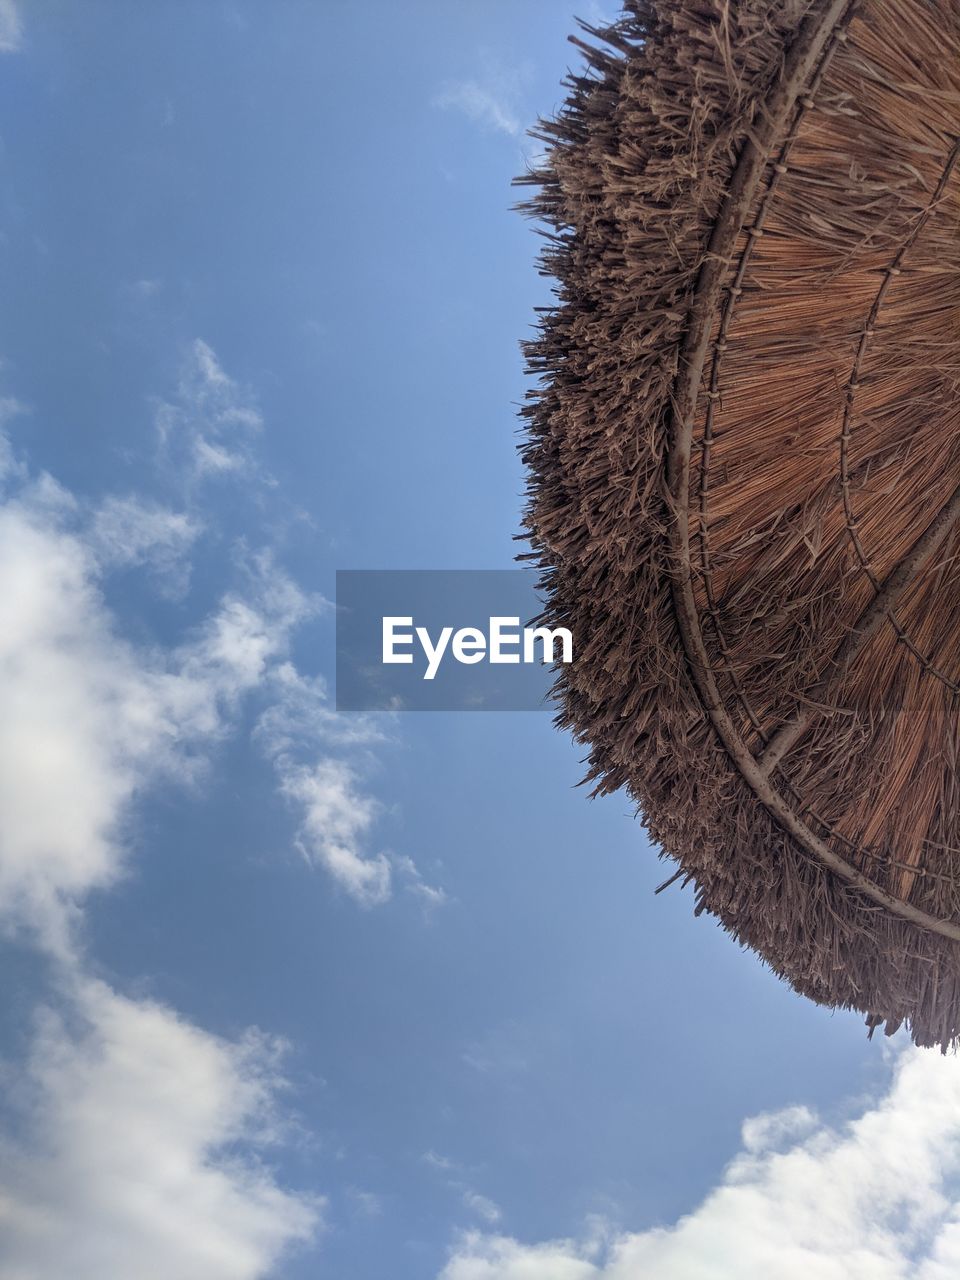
744, 460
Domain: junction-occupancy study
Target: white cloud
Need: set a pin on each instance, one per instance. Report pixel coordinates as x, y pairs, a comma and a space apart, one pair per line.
430, 895
365, 1204
135, 1147
771, 1128
208, 366
10, 406
138, 1150
480, 1205
480, 104
482, 1257
875, 1199
133, 1152
11, 27
437, 1161
86, 719
131, 531
72, 708
236, 649
493, 99
336, 816
13, 470
300, 716
504, 1052
297, 732
206, 429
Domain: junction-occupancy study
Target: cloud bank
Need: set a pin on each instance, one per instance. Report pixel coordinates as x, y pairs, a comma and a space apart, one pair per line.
135, 1140
875, 1199
87, 720
135, 1155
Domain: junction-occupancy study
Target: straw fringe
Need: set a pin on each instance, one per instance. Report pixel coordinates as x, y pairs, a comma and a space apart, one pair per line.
824, 440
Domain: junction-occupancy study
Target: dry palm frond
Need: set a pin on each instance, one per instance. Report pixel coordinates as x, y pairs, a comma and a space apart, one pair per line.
744, 461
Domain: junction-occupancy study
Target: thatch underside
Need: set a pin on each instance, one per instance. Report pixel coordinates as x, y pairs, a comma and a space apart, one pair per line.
744, 464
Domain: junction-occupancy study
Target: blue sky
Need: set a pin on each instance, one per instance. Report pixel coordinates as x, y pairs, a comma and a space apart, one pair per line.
297, 994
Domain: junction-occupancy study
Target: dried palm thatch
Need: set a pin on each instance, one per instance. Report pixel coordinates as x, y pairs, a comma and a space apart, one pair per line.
744, 461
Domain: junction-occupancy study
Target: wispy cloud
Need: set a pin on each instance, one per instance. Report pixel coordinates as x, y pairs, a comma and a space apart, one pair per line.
131, 531
482, 1206
430, 895
437, 1161
482, 105
875, 1199
493, 99
11, 27
336, 816
365, 1204
504, 1053
207, 429
299, 732
300, 716
141, 290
